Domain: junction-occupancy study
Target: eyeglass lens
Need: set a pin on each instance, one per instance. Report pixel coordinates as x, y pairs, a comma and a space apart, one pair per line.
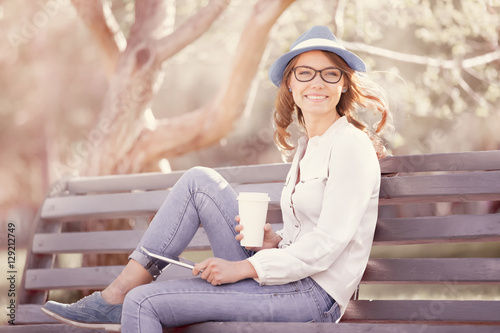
305, 73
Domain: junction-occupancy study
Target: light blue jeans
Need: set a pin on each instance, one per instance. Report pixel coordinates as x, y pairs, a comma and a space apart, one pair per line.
203, 196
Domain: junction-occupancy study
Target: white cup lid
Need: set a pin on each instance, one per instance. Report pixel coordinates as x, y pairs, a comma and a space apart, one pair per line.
253, 196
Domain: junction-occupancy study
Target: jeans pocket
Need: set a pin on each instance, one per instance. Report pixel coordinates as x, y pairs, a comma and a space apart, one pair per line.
333, 314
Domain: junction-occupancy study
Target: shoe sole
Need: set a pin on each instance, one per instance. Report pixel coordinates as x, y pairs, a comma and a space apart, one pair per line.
106, 326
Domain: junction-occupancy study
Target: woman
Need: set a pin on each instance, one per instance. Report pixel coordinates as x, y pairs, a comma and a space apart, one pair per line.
305, 272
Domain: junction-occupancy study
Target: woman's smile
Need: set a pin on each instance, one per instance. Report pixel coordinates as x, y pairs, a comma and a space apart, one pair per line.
316, 97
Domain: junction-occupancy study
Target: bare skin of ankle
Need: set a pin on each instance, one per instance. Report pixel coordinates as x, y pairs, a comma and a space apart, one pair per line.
133, 275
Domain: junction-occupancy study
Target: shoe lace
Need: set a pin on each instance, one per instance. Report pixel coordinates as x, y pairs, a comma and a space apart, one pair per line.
86, 297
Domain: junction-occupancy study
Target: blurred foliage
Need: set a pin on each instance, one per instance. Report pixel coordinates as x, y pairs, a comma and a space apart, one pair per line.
53, 81
444, 34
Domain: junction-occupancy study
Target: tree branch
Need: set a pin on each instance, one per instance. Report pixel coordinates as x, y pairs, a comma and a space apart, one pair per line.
190, 30
103, 26
468, 89
227, 104
481, 60
424, 60
339, 18
480, 76
150, 21
170, 19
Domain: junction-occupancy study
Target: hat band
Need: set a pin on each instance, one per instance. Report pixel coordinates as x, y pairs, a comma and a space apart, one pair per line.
317, 42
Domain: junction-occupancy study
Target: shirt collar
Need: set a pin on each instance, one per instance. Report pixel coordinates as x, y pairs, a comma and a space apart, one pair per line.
325, 136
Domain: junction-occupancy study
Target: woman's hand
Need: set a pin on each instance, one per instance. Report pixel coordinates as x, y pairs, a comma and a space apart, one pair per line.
271, 239
218, 271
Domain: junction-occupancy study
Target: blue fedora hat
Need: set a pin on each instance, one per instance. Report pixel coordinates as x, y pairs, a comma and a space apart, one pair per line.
317, 38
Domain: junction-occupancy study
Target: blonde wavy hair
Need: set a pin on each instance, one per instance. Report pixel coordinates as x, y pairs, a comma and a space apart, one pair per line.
362, 93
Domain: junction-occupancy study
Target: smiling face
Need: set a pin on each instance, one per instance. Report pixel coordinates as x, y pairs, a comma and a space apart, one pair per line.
317, 99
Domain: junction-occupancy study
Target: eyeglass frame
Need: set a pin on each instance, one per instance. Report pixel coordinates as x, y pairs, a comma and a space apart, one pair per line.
316, 72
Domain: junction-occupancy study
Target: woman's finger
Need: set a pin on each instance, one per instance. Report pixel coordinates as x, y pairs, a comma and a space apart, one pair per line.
201, 268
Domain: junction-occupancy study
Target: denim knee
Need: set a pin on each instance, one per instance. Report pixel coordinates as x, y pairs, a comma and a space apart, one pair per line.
201, 177
199, 173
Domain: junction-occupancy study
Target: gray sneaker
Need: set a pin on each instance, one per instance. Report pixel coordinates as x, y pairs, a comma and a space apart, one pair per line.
89, 312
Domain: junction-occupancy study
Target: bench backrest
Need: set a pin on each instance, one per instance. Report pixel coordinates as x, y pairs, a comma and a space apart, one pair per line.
408, 183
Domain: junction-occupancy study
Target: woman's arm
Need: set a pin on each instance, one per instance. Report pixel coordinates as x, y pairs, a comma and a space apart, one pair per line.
218, 271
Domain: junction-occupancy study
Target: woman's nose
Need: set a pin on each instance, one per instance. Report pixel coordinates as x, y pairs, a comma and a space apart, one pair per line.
317, 81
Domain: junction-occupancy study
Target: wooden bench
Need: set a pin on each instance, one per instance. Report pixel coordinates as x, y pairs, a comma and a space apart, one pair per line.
416, 195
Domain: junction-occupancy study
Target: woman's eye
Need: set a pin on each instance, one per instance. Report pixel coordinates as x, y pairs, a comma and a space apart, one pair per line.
332, 74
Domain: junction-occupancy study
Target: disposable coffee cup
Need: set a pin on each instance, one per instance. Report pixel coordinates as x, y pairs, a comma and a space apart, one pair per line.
253, 215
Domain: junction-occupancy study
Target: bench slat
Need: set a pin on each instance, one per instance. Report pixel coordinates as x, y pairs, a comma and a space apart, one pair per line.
451, 270
473, 186
120, 205
115, 241
423, 311
409, 311
121, 241
264, 173
274, 327
433, 270
47, 328
88, 277
395, 190
30, 314
390, 231
468, 161
34, 315
103, 206
437, 229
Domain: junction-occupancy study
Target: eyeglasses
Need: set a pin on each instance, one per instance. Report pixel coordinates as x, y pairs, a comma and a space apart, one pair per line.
306, 74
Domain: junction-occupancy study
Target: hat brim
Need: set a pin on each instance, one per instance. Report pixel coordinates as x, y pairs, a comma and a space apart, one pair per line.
278, 67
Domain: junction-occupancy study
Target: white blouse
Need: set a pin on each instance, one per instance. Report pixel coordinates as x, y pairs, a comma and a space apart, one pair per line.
329, 215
